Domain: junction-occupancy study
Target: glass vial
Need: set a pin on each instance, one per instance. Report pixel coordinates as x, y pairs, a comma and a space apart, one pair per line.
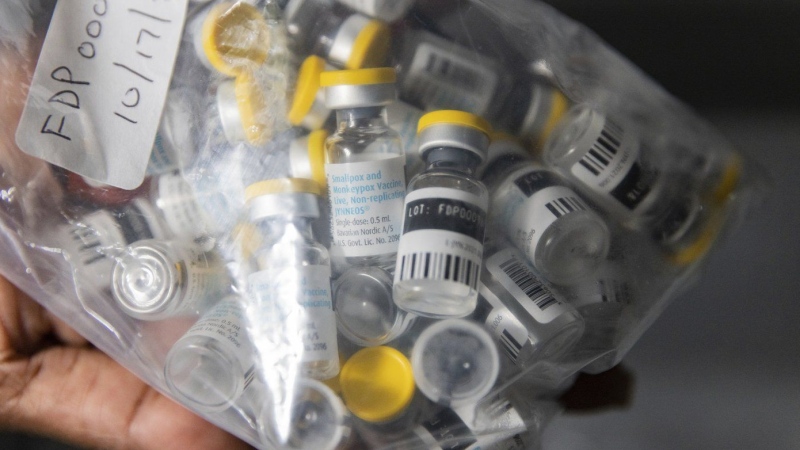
345, 39
179, 208
212, 364
155, 280
610, 165
364, 164
244, 109
528, 321
291, 314
441, 248
455, 362
365, 311
387, 10
537, 210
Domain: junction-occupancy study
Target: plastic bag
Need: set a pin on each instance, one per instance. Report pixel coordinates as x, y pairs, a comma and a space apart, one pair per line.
227, 281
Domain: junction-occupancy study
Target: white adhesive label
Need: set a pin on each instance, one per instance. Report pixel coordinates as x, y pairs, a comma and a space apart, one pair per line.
294, 304
442, 78
225, 323
511, 270
509, 333
206, 277
179, 207
103, 71
443, 231
366, 205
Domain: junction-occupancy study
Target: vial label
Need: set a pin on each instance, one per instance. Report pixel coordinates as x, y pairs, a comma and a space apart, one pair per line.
296, 303
225, 323
366, 205
539, 201
163, 158
443, 231
441, 78
611, 167
496, 418
446, 431
205, 277
99, 87
509, 333
179, 207
511, 270
606, 290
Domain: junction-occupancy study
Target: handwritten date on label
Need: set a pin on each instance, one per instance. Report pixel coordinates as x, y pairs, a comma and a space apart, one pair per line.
104, 68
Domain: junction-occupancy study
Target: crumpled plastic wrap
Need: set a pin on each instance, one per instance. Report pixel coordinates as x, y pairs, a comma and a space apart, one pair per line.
63, 236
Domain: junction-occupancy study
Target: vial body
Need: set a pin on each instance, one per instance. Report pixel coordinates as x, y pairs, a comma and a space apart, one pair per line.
155, 280
561, 235
179, 209
212, 364
528, 321
441, 249
388, 10
366, 186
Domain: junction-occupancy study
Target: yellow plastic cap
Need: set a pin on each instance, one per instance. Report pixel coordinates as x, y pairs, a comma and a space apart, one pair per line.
705, 239
452, 117
306, 90
729, 180
558, 108
377, 383
316, 156
371, 47
253, 111
234, 36
282, 186
358, 77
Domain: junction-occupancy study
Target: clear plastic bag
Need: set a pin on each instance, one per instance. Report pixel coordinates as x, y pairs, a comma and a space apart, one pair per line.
229, 282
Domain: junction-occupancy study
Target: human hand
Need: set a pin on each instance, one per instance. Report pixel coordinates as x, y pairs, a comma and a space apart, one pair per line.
53, 382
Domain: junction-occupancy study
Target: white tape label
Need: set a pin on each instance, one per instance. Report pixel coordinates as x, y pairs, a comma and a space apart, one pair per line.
103, 71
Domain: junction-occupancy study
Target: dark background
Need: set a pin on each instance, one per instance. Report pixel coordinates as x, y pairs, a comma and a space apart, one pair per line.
719, 369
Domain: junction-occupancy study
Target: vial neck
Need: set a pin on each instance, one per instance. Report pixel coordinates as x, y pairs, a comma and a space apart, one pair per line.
367, 117
289, 229
452, 159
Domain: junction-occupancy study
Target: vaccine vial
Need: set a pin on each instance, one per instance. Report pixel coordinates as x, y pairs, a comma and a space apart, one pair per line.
307, 157
532, 110
441, 248
246, 111
291, 311
365, 311
386, 10
538, 212
311, 416
345, 39
528, 321
378, 385
156, 280
212, 364
455, 362
364, 165
439, 74
92, 242
174, 147
179, 208
230, 37
610, 165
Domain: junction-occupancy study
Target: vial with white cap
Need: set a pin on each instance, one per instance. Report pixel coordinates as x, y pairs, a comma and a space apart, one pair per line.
212, 364
155, 280
365, 311
309, 111
364, 165
455, 362
388, 10
231, 37
528, 321
345, 39
441, 248
310, 416
615, 168
291, 312
536, 209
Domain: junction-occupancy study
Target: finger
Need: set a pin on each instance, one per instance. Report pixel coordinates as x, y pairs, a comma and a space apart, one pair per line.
65, 333
82, 396
23, 322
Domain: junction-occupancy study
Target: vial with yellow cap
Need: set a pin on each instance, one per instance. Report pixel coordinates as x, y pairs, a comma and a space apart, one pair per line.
441, 249
291, 312
247, 108
615, 168
532, 110
346, 39
364, 165
535, 209
231, 37
212, 364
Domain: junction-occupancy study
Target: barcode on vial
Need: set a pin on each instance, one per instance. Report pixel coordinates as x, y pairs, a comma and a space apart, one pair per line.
452, 71
510, 345
605, 147
565, 205
89, 244
439, 266
529, 285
